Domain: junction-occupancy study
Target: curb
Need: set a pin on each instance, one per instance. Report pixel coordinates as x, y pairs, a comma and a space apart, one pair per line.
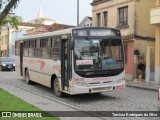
141, 87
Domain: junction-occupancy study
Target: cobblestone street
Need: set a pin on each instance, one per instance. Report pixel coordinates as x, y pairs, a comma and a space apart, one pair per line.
130, 99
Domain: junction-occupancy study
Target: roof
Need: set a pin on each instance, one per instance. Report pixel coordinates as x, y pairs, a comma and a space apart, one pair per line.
47, 34
90, 18
30, 24
56, 27
44, 18
49, 28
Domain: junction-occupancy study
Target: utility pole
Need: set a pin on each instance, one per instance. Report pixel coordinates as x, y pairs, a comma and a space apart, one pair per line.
8, 26
77, 13
8, 44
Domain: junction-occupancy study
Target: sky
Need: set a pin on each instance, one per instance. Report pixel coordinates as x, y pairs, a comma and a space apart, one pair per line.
63, 11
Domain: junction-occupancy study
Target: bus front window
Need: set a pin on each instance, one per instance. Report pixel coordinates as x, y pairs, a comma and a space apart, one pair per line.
98, 54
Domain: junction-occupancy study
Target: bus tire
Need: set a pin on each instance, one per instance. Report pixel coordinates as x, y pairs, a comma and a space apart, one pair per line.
1, 68
56, 88
27, 78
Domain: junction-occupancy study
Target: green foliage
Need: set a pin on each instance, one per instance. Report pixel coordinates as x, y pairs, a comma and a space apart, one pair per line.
14, 21
11, 4
15, 5
4, 2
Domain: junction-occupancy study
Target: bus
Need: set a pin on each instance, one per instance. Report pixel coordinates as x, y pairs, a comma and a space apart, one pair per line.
73, 61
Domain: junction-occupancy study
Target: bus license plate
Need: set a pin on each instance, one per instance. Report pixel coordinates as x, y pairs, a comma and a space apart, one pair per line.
120, 87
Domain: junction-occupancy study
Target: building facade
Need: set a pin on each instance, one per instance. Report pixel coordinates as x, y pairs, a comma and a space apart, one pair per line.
154, 20
15, 35
5, 41
132, 17
41, 19
6, 38
86, 22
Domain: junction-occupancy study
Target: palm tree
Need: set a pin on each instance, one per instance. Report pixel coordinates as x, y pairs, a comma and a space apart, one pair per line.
14, 21
11, 4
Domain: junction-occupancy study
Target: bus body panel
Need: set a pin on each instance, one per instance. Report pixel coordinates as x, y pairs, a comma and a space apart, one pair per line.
81, 85
40, 70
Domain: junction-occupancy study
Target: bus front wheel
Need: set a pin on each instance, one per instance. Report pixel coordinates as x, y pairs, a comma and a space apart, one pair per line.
56, 88
28, 81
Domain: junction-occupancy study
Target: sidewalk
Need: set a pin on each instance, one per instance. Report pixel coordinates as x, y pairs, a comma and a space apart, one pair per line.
142, 85
46, 103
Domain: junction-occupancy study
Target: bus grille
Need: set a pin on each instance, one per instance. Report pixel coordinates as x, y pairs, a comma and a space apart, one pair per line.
101, 88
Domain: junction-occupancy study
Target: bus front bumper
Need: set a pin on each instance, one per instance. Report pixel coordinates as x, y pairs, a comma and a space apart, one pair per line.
97, 89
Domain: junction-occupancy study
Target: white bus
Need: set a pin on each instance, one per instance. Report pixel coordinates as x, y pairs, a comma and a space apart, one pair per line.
73, 61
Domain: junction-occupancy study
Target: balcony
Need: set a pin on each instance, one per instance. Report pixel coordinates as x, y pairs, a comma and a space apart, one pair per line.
155, 16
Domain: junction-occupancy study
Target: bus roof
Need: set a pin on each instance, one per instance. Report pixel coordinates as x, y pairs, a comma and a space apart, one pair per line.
47, 34
59, 32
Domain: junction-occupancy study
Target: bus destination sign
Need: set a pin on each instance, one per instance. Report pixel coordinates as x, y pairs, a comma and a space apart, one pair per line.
96, 32
82, 33
103, 32
100, 32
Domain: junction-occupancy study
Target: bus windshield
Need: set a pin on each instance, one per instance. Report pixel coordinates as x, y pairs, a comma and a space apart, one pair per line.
98, 54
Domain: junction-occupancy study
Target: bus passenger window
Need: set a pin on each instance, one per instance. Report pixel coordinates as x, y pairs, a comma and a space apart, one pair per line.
55, 50
45, 49
25, 49
17, 48
31, 48
38, 50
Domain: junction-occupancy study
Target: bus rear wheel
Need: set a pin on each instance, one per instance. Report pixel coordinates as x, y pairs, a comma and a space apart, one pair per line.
27, 78
56, 87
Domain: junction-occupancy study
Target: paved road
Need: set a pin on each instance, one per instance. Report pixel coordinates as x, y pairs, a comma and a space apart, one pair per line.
130, 99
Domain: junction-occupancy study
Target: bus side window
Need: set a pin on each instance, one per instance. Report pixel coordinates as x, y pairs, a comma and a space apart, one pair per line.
51, 42
26, 48
17, 48
31, 48
45, 48
55, 49
38, 50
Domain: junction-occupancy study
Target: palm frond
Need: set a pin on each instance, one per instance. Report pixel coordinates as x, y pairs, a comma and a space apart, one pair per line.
14, 21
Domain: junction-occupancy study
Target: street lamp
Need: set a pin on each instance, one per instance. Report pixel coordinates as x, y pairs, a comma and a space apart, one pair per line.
8, 26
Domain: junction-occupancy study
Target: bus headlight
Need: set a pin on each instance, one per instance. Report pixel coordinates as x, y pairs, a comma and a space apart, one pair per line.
81, 84
13, 64
121, 80
3, 64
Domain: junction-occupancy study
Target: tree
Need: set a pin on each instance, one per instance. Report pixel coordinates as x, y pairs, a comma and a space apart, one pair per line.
14, 21
10, 5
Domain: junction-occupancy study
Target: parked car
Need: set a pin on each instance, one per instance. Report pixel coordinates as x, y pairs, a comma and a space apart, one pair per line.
158, 105
7, 63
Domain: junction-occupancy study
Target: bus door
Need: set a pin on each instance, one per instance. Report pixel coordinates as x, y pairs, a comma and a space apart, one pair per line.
21, 58
65, 64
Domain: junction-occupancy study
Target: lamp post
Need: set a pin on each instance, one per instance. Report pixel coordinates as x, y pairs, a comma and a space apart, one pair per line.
8, 26
77, 13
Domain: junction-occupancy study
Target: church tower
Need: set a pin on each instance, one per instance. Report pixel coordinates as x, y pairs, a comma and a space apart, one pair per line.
41, 19
40, 12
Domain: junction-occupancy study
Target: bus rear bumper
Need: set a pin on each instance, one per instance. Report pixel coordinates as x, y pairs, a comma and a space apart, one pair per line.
97, 89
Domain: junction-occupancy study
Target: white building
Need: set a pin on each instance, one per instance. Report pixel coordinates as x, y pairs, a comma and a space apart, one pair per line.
86, 22
42, 20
